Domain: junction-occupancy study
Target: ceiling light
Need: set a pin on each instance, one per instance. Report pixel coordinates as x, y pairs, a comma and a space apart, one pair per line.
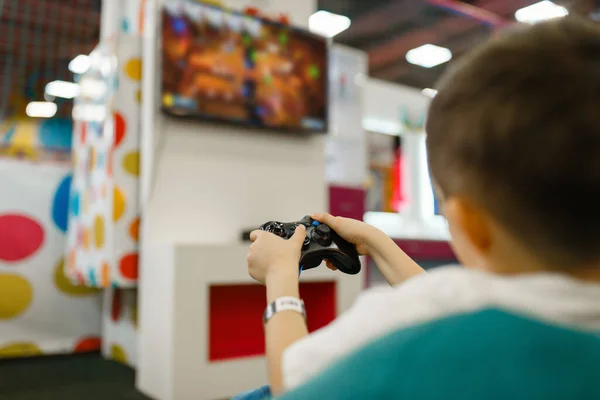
80, 64
41, 109
542, 11
429, 92
328, 24
429, 55
63, 89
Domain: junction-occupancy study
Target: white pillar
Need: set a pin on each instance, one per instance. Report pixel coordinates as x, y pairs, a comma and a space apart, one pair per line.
109, 19
415, 175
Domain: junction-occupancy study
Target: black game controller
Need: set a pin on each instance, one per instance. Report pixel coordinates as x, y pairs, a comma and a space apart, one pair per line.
321, 243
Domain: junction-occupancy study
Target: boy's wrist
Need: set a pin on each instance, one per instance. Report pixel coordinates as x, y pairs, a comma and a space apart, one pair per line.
374, 241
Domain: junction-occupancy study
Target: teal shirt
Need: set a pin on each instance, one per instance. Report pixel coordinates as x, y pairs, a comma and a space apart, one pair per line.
486, 355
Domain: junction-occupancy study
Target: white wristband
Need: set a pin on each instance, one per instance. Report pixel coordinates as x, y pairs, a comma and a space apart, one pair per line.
284, 304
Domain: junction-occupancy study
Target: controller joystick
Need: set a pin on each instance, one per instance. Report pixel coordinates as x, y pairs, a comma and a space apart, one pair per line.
322, 235
321, 243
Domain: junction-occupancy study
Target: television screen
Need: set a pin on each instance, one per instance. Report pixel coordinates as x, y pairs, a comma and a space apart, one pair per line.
227, 66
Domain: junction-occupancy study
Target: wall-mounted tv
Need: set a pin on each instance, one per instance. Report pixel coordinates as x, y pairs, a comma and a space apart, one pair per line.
221, 65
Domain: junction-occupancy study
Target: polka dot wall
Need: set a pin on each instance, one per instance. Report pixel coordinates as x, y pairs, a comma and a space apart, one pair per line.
120, 318
104, 224
34, 290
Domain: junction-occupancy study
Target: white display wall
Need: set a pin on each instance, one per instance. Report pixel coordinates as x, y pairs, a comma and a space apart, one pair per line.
217, 180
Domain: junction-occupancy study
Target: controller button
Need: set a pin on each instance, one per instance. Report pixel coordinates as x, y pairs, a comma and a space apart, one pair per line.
306, 243
316, 223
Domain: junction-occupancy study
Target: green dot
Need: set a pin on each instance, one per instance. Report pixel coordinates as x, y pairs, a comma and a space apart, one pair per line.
268, 79
247, 40
314, 71
283, 38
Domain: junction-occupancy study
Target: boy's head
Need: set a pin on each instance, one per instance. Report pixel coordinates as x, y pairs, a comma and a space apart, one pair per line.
513, 139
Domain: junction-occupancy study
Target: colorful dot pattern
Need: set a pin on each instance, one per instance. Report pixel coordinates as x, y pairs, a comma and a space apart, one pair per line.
103, 203
34, 288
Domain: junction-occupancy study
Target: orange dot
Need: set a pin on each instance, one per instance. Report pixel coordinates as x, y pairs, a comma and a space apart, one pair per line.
119, 204
134, 229
120, 128
129, 266
88, 344
105, 275
82, 132
85, 237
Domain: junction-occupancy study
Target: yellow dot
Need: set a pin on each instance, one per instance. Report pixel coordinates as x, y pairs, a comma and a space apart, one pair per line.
20, 349
66, 286
92, 159
133, 69
131, 163
99, 232
138, 96
118, 354
167, 100
16, 295
119, 204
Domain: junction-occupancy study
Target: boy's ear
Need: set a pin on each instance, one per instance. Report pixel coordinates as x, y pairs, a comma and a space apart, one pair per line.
473, 222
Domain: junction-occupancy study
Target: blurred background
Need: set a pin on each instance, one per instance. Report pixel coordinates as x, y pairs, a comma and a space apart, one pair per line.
131, 129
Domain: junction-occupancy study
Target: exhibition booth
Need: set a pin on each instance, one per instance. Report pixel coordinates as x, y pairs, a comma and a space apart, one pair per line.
195, 123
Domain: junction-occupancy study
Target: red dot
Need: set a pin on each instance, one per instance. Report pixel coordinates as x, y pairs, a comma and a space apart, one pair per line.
120, 128
82, 132
20, 237
115, 305
88, 344
129, 266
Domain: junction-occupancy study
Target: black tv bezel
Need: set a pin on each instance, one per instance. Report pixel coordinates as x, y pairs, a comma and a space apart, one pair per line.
232, 122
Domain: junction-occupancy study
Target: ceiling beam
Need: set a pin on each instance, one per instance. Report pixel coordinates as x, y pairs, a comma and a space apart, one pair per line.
395, 49
475, 13
379, 20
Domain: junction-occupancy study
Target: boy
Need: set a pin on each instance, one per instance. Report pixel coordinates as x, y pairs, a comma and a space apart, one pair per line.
513, 139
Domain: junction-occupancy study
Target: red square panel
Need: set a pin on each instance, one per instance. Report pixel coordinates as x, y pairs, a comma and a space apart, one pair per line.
235, 317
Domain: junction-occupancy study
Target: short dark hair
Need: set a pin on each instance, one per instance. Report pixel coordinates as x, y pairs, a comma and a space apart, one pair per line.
515, 126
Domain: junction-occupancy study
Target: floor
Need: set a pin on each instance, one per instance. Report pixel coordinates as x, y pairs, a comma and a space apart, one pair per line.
73, 377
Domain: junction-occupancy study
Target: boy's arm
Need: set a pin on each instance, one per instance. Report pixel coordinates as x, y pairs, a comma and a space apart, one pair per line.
395, 265
284, 328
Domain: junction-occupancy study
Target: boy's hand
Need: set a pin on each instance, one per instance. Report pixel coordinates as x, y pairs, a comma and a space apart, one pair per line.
359, 233
270, 255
